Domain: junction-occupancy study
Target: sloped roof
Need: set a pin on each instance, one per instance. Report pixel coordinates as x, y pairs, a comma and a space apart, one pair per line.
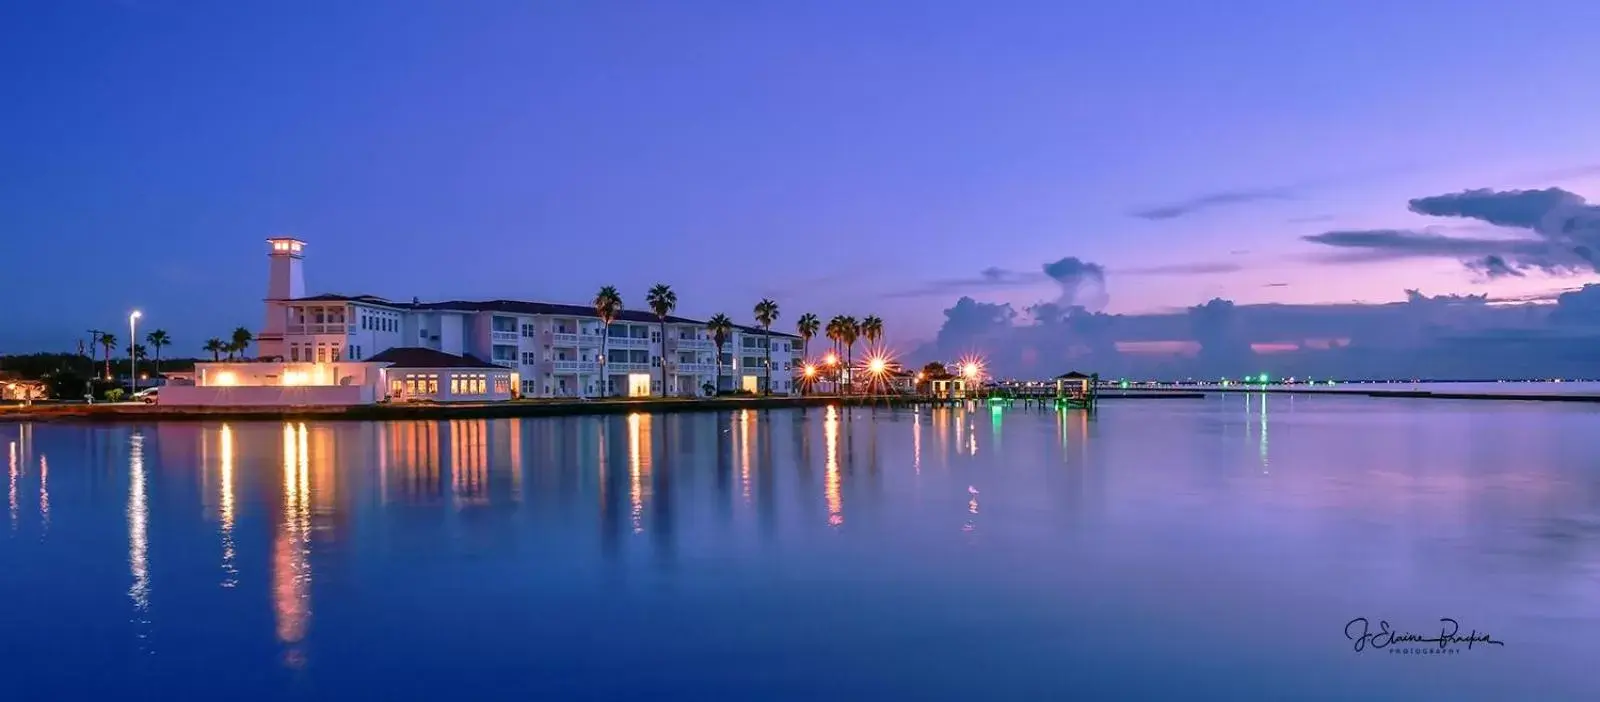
1074, 375
525, 307
413, 357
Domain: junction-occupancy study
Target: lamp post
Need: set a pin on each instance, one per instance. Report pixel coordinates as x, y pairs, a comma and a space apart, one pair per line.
133, 356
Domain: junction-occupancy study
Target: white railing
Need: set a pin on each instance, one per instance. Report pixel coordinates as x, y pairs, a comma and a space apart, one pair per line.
564, 339
504, 337
627, 342
694, 368
575, 366
315, 329
691, 344
620, 367
505, 363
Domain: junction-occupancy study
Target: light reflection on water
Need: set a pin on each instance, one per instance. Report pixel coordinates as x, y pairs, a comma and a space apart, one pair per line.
496, 552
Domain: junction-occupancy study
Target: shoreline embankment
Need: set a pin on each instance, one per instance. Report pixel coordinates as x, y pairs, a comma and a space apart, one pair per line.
132, 412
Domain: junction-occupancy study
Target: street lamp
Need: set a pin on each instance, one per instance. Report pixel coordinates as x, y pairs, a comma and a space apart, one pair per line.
133, 357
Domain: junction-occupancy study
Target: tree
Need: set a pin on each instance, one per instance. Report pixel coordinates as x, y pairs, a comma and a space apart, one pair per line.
836, 331
807, 326
110, 342
662, 301
852, 331
136, 351
934, 370
872, 329
157, 339
216, 347
241, 340
767, 313
607, 306
721, 329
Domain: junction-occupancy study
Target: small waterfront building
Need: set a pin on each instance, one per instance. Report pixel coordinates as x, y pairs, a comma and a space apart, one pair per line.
413, 374
276, 383
553, 350
949, 388
1075, 385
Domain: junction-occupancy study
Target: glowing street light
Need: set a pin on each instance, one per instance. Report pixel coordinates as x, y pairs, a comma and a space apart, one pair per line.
133, 345
810, 371
830, 359
969, 369
877, 366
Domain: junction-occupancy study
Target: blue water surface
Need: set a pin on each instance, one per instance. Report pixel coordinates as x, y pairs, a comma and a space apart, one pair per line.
1163, 549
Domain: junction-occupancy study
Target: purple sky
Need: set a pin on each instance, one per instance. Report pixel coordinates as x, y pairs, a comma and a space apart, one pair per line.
829, 154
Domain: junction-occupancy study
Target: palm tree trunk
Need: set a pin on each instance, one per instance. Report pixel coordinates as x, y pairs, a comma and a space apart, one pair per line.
605, 338
768, 335
663, 357
157, 367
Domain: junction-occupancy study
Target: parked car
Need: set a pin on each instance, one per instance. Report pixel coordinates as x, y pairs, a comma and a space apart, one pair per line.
147, 396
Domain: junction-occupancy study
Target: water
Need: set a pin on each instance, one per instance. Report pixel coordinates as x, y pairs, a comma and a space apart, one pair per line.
1167, 549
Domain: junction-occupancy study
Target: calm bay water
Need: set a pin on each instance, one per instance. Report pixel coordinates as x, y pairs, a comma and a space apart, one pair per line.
1206, 549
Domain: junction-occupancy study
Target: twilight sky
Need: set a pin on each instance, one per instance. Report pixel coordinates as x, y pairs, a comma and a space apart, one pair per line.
843, 157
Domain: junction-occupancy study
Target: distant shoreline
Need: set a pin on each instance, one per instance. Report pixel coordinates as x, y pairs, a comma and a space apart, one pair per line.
127, 412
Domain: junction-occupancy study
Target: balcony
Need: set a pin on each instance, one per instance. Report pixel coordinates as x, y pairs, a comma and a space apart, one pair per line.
690, 345
626, 342
620, 367
503, 337
574, 366
315, 329
693, 368
505, 363
572, 340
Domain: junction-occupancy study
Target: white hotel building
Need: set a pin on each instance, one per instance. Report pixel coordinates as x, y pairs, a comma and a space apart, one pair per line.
552, 350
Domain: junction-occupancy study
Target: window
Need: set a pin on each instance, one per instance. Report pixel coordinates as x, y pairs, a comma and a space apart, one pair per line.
502, 385
333, 353
294, 353
655, 361
455, 386
422, 333
527, 331
396, 387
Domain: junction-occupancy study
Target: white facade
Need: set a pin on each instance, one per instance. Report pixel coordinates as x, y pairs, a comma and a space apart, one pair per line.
556, 350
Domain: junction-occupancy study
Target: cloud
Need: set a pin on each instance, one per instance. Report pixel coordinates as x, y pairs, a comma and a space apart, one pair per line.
1450, 336
988, 279
1212, 201
1557, 232
1276, 285
1082, 284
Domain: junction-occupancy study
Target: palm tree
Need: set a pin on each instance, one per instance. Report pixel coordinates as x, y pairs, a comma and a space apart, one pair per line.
110, 342
241, 341
767, 313
721, 329
852, 331
807, 326
872, 329
607, 306
662, 301
216, 347
836, 327
137, 351
157, 339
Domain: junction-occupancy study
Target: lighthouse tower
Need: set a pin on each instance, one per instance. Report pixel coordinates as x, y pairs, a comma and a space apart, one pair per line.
285, 281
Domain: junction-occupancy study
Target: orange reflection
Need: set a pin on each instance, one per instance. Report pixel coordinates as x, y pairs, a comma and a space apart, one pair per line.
291, 574
516, 459
469, 462
744, 451
638, 465
413, 456
831, 482
226, 510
